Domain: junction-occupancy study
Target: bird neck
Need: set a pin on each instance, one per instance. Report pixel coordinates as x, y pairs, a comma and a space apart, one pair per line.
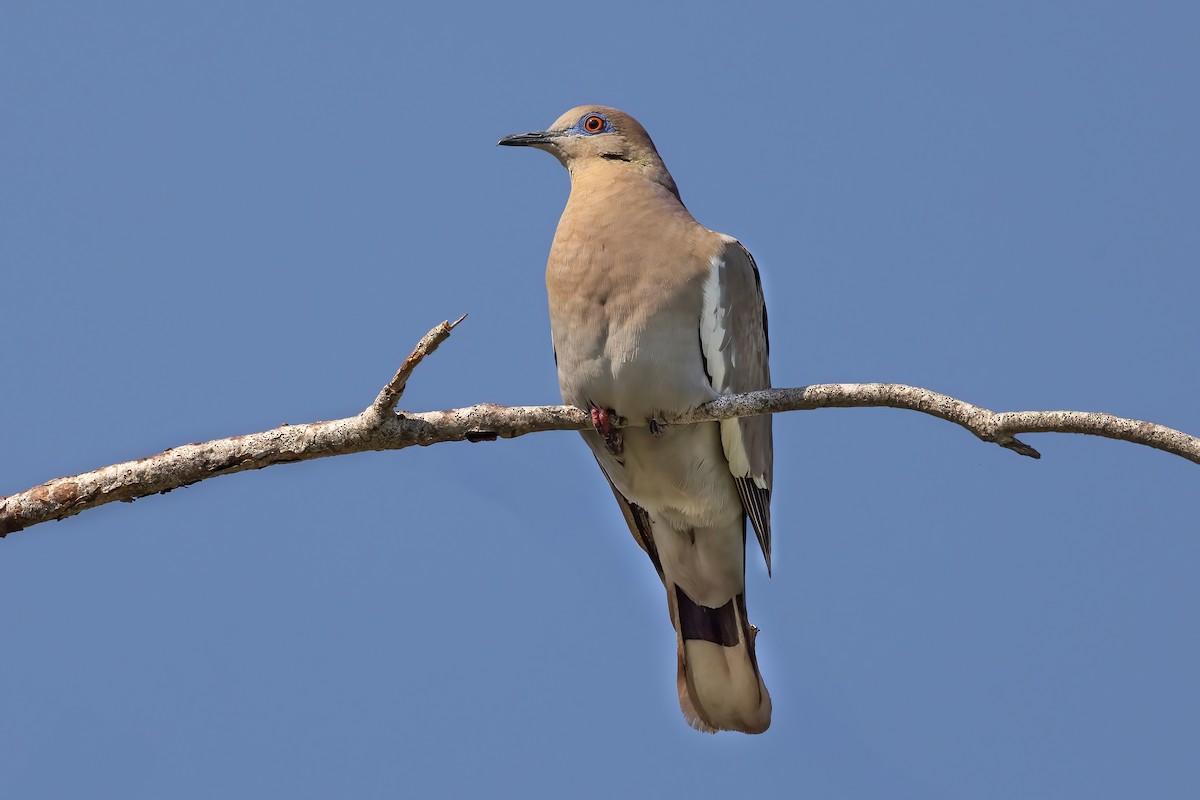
647, 180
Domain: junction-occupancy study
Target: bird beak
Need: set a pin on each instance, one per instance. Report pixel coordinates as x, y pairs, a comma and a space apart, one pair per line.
530, 139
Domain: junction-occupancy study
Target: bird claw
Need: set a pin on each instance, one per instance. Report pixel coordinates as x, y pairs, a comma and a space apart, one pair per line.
602, 419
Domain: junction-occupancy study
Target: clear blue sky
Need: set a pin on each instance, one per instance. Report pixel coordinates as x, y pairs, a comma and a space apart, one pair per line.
219, 217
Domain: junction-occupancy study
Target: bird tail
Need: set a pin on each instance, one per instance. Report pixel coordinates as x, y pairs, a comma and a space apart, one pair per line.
720, 687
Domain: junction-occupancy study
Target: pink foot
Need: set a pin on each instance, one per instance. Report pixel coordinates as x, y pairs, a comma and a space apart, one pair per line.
614, 441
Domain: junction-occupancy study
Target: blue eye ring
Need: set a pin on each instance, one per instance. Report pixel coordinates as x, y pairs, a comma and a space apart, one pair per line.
592, 124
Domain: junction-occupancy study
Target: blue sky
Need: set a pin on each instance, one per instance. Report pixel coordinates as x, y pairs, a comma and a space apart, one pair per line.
219, 217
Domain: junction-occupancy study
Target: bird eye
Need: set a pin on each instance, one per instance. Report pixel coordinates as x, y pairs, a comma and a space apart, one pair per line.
593, 124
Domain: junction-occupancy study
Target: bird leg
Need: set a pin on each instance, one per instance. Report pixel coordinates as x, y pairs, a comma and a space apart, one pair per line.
602, 419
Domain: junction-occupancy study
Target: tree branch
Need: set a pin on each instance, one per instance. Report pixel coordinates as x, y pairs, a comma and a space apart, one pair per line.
385, 403
377, 428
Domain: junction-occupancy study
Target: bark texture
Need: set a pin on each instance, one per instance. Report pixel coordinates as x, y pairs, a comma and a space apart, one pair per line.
380, 427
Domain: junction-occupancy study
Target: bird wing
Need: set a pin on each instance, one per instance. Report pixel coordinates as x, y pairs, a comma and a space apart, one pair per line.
733, 341
638, 521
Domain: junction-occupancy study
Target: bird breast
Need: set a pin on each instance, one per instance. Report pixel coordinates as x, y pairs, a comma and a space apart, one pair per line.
626, 330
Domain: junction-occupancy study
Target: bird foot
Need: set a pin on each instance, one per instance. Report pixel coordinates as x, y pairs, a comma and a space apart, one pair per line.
602, 421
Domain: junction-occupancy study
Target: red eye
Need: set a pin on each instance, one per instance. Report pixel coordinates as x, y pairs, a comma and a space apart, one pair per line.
593, 124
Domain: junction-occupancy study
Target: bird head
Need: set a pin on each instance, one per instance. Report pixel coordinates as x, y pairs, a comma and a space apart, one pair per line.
588, 135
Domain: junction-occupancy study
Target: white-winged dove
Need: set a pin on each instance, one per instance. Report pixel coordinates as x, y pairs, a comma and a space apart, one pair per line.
651, 314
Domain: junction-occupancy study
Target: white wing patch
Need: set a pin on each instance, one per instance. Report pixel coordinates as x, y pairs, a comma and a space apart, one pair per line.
714, 326
721, 360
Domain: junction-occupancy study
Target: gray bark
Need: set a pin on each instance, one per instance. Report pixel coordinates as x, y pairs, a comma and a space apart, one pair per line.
380, 427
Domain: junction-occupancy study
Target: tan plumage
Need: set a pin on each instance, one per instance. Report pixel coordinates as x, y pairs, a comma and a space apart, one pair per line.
652, 313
